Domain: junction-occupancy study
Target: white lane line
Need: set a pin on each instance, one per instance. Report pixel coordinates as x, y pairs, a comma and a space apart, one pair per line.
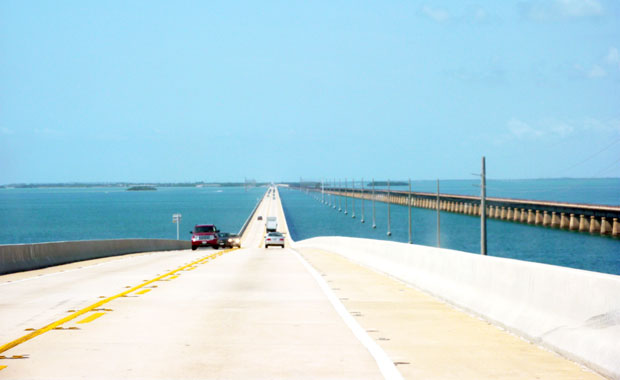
386, 365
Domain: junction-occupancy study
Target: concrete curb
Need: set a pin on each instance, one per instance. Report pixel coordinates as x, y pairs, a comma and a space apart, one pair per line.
251, 216
573, 312
23, 257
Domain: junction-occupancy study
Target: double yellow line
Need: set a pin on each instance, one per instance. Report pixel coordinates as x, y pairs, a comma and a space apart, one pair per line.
85, 310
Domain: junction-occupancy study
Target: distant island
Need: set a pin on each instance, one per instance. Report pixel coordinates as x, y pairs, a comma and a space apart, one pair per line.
142, 188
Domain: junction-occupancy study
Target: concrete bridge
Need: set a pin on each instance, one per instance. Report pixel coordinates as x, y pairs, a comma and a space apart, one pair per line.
594, 219
324, 308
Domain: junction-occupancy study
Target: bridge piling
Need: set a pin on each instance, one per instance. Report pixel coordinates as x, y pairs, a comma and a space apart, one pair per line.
555, 221
546, 219
530, 217
538, 218
595, 226
573, 224
605, 226
583, 224
563, 221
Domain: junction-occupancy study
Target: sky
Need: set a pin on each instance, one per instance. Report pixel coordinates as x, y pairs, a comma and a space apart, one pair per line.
161, 91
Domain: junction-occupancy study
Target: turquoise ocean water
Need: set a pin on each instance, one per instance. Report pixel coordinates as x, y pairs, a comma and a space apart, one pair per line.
63, 214
308, 218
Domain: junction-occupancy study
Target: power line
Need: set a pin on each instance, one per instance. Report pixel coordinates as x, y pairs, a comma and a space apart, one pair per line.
592, 155
607, 167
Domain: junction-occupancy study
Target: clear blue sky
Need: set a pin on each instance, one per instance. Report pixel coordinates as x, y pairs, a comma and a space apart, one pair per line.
150, 91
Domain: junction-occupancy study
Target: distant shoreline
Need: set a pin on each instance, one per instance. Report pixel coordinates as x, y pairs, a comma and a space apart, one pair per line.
126, 185
315, 184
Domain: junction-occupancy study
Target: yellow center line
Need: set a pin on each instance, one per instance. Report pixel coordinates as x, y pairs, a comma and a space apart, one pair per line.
91, 318
144, 291
85, 310
2, 367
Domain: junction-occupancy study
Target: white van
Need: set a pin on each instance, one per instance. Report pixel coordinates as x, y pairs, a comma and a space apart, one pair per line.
272, 224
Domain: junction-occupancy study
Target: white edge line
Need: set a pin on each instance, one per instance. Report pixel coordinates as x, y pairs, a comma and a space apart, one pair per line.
386, 365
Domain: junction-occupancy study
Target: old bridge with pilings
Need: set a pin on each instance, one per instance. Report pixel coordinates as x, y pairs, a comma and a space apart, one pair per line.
595, 219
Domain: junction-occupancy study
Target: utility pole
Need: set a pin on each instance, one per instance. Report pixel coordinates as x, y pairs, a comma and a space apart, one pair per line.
346, 201
409, 206
438, 225
329, 196
353, 198
389, 232
363, 194
333, 195
374, 225
483, 211
339, 195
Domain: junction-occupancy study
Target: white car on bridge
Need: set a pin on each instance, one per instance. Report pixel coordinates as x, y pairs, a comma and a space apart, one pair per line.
274, 238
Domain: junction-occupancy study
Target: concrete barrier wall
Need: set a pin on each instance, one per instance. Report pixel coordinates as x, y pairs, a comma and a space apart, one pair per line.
22, 257
573, 312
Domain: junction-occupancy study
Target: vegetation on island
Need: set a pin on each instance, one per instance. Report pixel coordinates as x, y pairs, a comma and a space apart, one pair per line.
141, 188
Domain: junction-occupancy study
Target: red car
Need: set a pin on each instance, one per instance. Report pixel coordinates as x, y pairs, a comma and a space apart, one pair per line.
205, 235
